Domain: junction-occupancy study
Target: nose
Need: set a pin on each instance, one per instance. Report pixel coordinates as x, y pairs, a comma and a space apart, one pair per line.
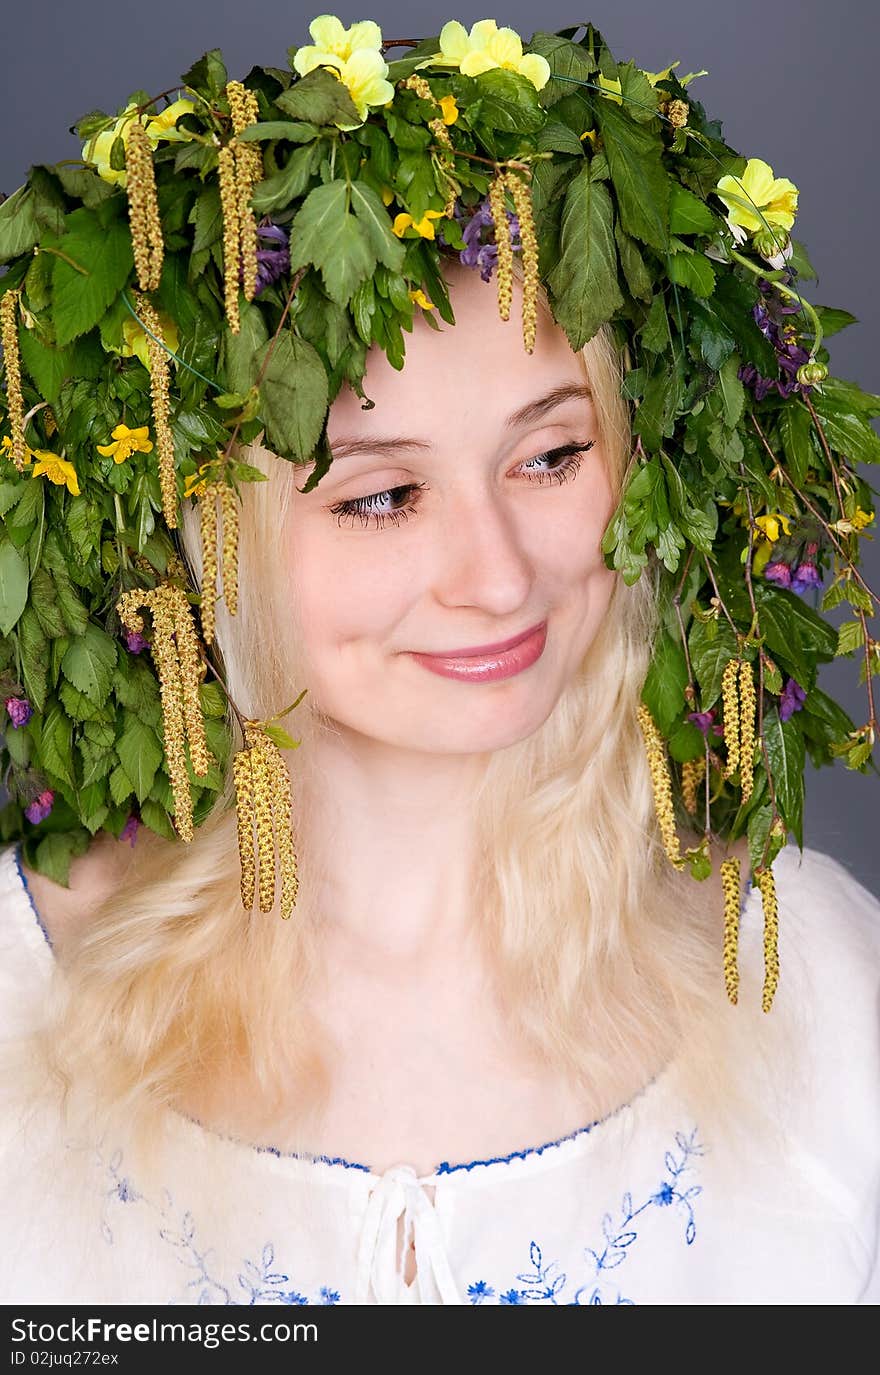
485, 557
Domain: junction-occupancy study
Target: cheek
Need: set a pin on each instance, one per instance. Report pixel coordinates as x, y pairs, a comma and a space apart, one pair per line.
345, 587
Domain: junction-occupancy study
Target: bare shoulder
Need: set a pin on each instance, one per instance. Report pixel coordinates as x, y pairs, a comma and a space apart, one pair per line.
93, 876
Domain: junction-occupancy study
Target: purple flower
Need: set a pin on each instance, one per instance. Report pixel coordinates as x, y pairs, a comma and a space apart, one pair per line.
705, 720
130, 829
135, 641
769, 316
473, 221
807, 574
20, 711
39, 809
272, 262
792, 699
778, 572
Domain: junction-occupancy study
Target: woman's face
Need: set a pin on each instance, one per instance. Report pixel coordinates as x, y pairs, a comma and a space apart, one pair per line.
479, 540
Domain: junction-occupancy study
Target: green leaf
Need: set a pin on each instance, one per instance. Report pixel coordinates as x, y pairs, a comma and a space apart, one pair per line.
665, 682
240, 350
326, 235
101, 246
319, 98
45, 603
19, 230
831, 320
373, 216
692, 270
34, 657
297, 131
688, 214
208, 75
213, 699
793, 630
286, 186
140, 755
850, 637
14, 578
786, 755
638, 278
711, 644
795, 429
293, 396
56, 745
640, 181
89, 663
53, 855
566, 59
155, 816
847, 433
508, 101
584, 280
732, 392
121, 786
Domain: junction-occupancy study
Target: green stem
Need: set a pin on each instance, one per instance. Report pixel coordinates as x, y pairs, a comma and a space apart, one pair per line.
786, 291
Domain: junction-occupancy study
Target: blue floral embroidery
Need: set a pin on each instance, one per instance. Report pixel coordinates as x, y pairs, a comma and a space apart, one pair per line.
259, 1280
545, 1283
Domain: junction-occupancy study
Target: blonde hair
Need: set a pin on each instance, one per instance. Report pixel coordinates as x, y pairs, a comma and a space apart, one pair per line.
598, 945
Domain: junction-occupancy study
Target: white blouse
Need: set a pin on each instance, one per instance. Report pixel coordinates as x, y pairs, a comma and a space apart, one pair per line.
636, 1208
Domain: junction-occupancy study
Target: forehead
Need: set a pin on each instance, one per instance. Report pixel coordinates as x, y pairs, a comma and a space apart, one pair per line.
469, 376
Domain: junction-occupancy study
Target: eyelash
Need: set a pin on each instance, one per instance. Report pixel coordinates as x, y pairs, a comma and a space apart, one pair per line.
352, 510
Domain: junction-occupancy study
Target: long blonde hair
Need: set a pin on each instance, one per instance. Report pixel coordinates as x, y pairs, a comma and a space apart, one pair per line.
598, 945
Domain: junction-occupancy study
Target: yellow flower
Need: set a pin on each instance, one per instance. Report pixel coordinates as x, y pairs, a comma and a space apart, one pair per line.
449, 107
845, 527
422, 226
161, 126
770, 526
195, 483
654, 77
57, 469
97, 149
387, 195
775, 197
767, 535
127, 442
6, 446
135, 338
487, 46
611, 83
421, 299
354, 56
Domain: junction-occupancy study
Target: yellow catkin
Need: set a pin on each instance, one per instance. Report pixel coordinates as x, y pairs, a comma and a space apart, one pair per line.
767, 885
245, 111
748, 710
229, 507
521, 193
207, 502
693, 771
192, 672
264, 784
676, 112
160, 392
229, 205
730, 699
441, 133
174, 648
12, 365
662, 785
503, 243
143, 208
242, 772
730, 883
283, 829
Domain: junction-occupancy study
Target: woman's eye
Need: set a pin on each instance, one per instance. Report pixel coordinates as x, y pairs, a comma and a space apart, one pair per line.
566, 460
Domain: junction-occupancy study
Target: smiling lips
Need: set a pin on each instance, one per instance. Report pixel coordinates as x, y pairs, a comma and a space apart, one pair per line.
483, 664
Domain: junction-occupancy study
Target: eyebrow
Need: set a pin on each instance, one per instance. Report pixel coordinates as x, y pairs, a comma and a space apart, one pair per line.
526, 415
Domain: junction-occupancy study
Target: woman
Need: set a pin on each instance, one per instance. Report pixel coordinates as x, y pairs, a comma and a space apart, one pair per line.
492, 964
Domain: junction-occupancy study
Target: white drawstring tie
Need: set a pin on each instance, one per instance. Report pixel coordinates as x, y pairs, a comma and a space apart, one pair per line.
398, 1193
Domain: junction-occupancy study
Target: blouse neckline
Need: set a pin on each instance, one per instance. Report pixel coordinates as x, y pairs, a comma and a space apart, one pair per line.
528, 1160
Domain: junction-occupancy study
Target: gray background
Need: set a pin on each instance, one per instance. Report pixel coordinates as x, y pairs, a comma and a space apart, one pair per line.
793, 81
